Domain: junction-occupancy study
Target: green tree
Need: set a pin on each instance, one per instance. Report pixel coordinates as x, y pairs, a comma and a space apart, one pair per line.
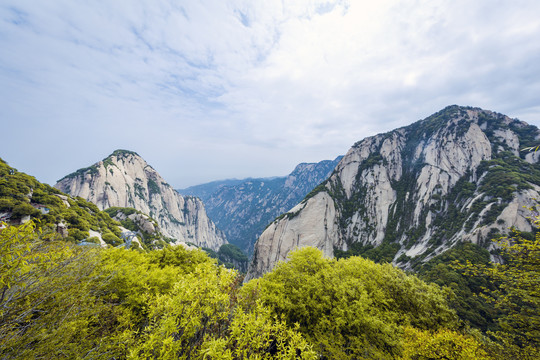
515, 293
349, 308
63, 301
49, 300
442, 270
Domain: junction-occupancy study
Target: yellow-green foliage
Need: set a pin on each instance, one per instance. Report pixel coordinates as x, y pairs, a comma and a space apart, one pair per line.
350, 308
441, 344
49, 299
258, 335
515, 293
60, 301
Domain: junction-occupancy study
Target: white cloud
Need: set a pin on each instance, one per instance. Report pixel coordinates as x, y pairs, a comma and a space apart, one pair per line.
241, 86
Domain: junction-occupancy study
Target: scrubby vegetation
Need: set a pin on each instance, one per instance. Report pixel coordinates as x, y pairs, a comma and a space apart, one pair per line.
231, 256
22, 195
63, 301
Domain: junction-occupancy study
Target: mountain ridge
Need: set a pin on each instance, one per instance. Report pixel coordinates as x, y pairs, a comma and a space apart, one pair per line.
242, 210
413, 192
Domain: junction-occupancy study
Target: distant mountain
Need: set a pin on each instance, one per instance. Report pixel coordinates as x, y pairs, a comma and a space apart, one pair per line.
243, 209
205, 191
412, 193
124, 179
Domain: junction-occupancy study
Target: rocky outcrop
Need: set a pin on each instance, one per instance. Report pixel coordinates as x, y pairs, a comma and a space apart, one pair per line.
124, 179
412, 193
242, 209
143, 222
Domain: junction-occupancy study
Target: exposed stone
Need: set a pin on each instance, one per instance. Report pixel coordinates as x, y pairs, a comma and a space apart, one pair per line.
243, 209
62, 230
124, 179
395, 187
97, 235
313, 226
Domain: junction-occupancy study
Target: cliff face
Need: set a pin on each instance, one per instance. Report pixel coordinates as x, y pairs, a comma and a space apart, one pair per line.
242, 209
412, 193
124, 179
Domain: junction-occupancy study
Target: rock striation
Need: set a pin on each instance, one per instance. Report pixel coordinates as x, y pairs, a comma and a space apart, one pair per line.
124, 179
412, 193
243, 208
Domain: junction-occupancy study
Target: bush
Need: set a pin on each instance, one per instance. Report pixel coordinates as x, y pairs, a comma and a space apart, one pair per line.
350, 308
111, 239
24, 209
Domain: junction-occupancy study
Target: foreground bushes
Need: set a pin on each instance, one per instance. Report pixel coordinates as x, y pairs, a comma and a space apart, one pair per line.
350, 308
67, 302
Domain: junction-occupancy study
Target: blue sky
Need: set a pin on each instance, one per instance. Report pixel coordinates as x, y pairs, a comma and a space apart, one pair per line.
215, 89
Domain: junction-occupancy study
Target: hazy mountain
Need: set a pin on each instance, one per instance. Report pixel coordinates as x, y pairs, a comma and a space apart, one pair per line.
124, 179
243, 209
205, 191
409, 194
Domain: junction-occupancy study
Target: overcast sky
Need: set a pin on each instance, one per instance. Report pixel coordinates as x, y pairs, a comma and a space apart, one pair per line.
215, 89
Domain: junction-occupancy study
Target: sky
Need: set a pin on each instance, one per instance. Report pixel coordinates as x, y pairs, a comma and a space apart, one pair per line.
214, 89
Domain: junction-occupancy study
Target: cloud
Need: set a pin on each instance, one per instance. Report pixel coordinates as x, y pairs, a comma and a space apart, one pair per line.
214, 89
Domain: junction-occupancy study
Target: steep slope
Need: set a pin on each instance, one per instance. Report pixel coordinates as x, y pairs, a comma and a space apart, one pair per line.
23, 198
124, 179
412, 193
243, 210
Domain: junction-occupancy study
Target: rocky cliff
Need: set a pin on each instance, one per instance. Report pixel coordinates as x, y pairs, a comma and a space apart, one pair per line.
412, 193
242, 209
124, 179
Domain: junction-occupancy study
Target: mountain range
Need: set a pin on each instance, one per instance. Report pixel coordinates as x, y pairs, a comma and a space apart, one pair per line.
243, 208
412, 193
404, 196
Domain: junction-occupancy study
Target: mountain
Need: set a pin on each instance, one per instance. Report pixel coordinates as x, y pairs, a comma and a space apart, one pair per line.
205, 191
23, 198
412, 193
242, 210
124, 179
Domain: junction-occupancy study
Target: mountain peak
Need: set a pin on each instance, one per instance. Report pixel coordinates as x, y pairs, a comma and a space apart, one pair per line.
412, 193
123, 153
124, 179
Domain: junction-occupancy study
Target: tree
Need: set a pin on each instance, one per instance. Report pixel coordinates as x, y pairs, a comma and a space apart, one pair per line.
349, 308
515, 293
441, 270
441, 344
49, 305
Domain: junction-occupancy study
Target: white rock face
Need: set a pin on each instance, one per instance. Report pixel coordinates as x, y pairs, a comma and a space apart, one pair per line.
400, 187
97, 235
124, 179
243, 210
313, 226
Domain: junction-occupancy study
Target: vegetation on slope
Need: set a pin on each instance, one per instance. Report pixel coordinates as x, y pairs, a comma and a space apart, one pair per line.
23, 196
493, 185
231, 256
